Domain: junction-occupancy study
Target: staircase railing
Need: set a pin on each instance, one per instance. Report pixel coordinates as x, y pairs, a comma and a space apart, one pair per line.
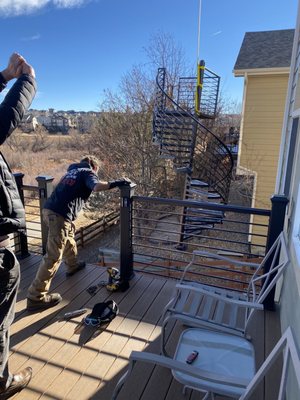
183, 138
186, 96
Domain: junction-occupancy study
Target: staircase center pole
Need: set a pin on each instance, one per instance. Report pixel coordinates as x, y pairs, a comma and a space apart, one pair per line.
188, 177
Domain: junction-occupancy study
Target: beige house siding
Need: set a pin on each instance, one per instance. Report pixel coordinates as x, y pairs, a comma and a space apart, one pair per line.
261, 132
264, 104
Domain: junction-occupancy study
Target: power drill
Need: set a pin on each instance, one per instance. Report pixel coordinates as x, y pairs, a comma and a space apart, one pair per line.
113, 278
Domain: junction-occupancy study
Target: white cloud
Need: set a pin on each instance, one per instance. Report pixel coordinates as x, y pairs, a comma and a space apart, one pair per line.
19, 7
33, 37
217, 33
69, 3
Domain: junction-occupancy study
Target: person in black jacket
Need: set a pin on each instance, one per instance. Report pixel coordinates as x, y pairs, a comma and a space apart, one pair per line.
12, 214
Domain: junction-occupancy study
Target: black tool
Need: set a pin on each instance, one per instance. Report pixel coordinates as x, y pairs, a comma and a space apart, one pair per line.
192, 357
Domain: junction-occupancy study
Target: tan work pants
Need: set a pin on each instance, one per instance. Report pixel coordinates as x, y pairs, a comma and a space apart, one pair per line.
61, 245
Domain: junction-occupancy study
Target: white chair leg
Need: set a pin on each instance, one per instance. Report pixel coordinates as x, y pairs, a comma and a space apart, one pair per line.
122, 380
163, 337
207, 395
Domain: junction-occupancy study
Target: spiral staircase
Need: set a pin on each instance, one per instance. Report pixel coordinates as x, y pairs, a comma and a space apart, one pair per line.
194, 149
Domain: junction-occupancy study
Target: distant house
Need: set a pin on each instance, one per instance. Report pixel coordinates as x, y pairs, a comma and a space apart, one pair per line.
264, 63
59, 123
62, 121
55, 121
86, 121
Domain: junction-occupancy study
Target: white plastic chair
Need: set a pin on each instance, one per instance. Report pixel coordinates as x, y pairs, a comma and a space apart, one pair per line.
225, 365
196, 304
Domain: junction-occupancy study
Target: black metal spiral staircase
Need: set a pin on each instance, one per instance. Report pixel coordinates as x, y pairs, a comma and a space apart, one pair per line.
195, 150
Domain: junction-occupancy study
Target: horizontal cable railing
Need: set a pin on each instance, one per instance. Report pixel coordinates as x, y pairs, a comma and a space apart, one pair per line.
87, 233
157, 249
15, 243
34, 240
31, 195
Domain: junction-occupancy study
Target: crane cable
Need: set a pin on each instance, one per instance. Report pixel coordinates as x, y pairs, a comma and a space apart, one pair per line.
200, 67
199, 24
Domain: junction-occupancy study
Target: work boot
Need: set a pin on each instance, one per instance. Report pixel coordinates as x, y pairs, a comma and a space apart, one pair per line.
49, 300
19, 382
79, 266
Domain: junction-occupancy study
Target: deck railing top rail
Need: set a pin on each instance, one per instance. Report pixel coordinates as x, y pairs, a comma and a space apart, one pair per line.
202, 204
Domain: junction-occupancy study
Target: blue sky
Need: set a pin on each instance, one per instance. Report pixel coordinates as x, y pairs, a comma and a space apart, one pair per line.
81, 47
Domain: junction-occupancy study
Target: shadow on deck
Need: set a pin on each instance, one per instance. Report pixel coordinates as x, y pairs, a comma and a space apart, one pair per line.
74, 362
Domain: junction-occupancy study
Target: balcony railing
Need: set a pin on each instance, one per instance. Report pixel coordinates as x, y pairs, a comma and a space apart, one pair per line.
150, 234
156, 234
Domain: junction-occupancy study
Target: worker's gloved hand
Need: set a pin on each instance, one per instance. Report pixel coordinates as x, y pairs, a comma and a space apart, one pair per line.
119, 183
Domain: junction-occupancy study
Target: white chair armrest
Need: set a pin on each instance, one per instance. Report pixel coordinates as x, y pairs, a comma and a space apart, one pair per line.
206, 254
224, 258
200, 289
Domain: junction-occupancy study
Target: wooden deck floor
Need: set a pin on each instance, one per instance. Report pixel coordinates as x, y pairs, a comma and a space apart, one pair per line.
73, 362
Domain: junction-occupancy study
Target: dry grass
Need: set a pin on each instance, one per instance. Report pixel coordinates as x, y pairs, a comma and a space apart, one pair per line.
44, 154
40, 154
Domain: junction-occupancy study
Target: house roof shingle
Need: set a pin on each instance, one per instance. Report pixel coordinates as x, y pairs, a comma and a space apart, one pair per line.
268, 49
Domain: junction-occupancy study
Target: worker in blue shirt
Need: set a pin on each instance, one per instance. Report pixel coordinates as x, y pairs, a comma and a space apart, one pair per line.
59, 213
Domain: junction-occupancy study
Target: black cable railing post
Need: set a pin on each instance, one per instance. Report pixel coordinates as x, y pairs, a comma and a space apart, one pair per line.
276, 224
45, 184
22, 247
126, 252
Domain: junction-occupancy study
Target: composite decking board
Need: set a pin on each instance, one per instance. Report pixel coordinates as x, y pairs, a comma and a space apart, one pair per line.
39, 322
175, 392
28, 276
272, 324
29, 262
197, 396
117, 349
112, 340
27, 323
96, 344
28, 273
143, 373
143, 331
161, 379
134, 388
57, 333
73, 365
160, 384
91, 373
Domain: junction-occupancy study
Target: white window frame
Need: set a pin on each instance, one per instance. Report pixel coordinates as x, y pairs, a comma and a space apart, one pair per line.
295, 202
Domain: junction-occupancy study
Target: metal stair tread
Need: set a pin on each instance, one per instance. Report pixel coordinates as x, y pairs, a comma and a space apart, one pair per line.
216, 213
197, 182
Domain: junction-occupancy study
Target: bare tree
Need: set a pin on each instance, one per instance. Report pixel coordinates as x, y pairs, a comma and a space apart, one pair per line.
41, 140
123, 135
164, 52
